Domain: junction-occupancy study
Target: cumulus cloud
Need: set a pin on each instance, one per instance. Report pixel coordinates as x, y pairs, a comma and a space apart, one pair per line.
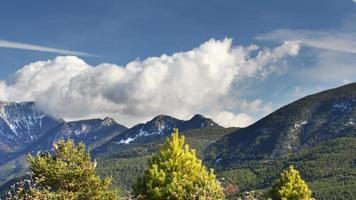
180, 85
229, 119
32, 47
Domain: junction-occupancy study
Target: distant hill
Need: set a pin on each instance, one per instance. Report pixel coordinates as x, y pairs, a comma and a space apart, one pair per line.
304, 123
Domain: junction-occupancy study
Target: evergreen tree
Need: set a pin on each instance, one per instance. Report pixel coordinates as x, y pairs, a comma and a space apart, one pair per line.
175, 172
68, 174
290, 186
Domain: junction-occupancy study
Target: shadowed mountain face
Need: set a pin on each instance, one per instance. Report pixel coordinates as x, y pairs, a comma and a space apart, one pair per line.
305, 123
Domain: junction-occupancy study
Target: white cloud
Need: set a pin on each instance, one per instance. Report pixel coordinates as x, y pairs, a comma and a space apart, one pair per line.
32, 47
256, 106
229, 119
180, 85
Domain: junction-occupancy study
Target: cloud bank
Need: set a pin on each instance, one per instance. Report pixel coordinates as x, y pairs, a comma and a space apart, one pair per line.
182, 84
32, 47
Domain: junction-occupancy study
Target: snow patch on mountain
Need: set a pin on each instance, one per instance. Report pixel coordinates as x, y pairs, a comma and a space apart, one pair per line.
300, 124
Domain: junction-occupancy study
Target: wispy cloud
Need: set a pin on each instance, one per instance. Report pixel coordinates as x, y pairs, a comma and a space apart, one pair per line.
32, 47
329, 40
333, 56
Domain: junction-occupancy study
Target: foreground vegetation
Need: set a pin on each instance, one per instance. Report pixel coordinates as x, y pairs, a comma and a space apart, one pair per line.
68, 174
329, 168
174, 172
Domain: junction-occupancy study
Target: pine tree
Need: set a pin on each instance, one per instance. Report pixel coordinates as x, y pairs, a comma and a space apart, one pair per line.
175, 172
290, 186
68, 174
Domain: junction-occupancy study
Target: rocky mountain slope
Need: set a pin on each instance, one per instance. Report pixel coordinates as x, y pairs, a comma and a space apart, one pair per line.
305, 123
22, 124
317, 134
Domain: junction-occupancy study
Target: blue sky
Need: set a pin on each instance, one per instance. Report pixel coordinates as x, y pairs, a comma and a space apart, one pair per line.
119, 32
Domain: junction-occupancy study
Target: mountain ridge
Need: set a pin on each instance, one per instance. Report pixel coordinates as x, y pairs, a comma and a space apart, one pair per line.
158, 127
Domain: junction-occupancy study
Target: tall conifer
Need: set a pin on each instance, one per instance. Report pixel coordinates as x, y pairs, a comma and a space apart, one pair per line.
175, 172
68, 174
290, 186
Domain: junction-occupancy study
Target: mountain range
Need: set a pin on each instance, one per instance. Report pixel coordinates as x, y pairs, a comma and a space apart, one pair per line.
24, 129
316, 134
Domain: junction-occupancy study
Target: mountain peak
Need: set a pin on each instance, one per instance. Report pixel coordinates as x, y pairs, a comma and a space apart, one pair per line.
162, 118
200, 120
197, 116
108, 121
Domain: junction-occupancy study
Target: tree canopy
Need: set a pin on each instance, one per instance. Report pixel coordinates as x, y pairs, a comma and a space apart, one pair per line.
68, 173
175, 172
290, 186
